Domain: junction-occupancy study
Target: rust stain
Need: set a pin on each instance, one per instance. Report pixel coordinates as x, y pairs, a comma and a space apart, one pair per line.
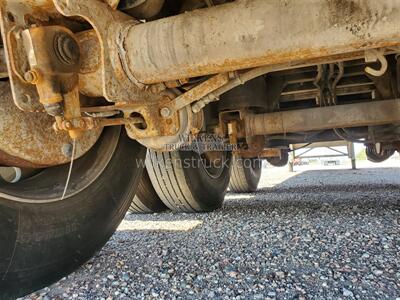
28, 138
200, 91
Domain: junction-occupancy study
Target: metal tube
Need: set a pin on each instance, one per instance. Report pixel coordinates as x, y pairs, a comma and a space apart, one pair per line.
321, 118
251, 33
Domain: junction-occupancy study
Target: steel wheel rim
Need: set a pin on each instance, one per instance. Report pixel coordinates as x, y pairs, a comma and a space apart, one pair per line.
35, 191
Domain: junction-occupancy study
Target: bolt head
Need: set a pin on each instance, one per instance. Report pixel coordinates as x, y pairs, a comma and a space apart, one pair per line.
81, 123
68, 125
31, 77
165, 112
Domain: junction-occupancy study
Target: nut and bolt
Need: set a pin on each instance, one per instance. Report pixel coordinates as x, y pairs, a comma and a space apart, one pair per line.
165, 112
25, 98
81, 123
68, 125
32, 76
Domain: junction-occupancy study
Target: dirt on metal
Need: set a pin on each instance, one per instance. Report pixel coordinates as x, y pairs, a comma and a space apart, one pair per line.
28, 139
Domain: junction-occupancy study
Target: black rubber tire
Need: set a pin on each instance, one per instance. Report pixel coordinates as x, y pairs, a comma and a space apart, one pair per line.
43, 239
146, 200
279, 161
375, 157
182, 182
245, 175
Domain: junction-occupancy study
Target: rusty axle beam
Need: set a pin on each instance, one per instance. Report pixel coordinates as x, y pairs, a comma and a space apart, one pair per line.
321, 118
252, 33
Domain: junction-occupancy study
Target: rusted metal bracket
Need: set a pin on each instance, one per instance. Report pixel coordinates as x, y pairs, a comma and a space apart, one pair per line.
151, 123
50, 79
119, 85
54, 60
16, 16
196, 93
90, 123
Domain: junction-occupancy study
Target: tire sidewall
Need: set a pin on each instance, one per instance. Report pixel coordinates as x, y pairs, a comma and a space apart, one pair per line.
208, 191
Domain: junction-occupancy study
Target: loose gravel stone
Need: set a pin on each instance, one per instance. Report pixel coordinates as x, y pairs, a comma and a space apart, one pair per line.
311, 235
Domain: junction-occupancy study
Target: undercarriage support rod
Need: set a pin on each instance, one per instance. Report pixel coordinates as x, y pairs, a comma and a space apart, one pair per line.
252, 33
321, 118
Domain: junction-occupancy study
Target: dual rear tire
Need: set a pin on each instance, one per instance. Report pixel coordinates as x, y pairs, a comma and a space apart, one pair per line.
245, 175
146, 200
183, 182
188, 182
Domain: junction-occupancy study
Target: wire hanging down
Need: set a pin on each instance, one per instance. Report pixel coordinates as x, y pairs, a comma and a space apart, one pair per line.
70, 169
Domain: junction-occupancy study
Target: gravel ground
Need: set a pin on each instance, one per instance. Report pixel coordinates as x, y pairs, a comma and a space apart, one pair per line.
309, 235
